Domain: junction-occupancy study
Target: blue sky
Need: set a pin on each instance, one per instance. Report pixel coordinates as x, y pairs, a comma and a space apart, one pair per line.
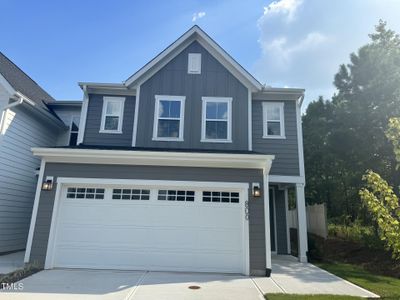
293, 43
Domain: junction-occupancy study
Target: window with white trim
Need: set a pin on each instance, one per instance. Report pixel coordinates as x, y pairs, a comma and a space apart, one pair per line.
169, 118
112, 115
73, 131
194, 63
273, 120
216, 119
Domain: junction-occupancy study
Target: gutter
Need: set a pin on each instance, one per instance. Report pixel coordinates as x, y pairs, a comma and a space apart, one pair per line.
21, 99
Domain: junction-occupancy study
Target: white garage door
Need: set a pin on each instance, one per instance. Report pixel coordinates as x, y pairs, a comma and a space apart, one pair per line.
144, 227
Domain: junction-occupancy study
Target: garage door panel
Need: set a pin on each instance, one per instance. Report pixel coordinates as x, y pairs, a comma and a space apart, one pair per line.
170, 237
151, 260
149, 234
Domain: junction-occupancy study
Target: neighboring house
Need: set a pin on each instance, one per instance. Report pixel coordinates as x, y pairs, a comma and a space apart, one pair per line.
27, 121
185, 166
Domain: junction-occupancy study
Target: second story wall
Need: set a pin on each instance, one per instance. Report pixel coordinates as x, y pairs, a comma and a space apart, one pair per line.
286, 151
93, 136
214, 81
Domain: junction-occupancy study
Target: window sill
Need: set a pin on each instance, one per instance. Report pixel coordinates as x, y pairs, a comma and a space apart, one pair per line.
157, 139
111, 131
215, 141
274, 137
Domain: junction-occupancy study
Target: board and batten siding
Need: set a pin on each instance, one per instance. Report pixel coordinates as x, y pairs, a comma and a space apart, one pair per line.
256, 205
17, 174
92, 135
286, 151
214, 81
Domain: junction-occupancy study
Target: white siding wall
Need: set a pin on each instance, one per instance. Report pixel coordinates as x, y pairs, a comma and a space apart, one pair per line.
17, 174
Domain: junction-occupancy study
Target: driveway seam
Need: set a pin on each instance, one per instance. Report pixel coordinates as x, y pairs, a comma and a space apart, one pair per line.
279, 286
261, 292
137, 285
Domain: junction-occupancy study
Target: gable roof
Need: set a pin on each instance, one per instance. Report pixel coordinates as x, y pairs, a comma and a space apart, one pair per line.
22, 83
194, 33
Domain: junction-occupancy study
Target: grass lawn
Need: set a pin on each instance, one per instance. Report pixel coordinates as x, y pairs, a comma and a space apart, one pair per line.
305, 297
385, 286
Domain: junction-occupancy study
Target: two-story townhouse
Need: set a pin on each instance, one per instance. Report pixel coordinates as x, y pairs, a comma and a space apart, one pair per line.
185, 166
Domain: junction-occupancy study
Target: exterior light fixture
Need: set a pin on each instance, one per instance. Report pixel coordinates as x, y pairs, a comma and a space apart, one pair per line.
256, 190
47, 185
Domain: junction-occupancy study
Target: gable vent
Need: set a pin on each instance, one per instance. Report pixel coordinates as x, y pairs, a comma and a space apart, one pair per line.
194, 63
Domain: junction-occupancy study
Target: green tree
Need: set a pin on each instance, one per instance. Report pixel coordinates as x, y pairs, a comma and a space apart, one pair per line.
380, 199
345, 136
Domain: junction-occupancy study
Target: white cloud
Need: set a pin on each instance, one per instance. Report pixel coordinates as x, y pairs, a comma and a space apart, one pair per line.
198, 15
283, 50
283, 7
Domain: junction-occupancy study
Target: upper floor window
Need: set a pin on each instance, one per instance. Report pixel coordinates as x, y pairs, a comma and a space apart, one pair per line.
73, 131
273, 120
216, 120
194, 63
169, 118
112, 115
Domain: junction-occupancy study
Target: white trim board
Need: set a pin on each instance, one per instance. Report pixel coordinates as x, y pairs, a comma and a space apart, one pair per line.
84, 111
136, 116
241, 187
300, 138
156, 158
286, 179
34, 211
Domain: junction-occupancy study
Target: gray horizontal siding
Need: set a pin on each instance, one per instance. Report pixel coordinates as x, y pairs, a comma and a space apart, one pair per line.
17, 179
285, 150
92, 135
214, 81
256, 208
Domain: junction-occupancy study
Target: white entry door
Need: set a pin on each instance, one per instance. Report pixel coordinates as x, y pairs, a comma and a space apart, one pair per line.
150, 227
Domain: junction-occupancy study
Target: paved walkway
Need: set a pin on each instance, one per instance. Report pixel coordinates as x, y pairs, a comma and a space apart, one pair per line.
292, 277
11, 262
289, 276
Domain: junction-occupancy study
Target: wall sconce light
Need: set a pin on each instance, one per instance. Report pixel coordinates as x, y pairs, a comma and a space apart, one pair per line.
256, 190
47, 185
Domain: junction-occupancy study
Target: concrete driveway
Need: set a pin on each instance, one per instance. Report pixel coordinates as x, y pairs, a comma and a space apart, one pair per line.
66, 284
289, 276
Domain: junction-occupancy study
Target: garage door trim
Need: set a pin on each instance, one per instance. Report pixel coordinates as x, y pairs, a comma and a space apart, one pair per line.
62, 182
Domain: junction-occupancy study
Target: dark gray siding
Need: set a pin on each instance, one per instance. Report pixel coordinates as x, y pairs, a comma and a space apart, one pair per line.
256, 208
281, 231
286, 153
93, 121
214, 81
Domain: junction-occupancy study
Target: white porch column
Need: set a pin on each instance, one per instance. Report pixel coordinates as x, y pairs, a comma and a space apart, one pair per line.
267, 225
302, 222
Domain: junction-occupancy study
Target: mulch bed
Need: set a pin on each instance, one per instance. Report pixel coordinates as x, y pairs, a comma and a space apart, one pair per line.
17, 275
376, 261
